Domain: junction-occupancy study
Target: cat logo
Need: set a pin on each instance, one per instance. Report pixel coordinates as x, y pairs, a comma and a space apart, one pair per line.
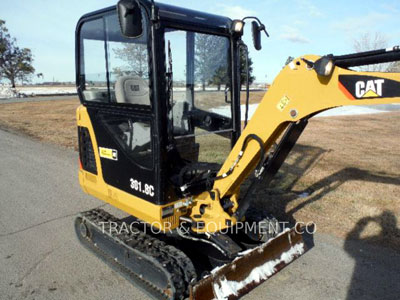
363, 87
370, 88
135, 88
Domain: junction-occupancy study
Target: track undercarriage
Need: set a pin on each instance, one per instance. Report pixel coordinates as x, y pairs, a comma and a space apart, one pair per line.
169, 266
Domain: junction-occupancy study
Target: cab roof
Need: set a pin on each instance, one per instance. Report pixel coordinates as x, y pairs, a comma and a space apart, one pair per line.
175, 14
189, 16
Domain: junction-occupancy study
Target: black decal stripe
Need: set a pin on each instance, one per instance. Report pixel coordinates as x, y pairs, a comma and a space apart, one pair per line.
390, 88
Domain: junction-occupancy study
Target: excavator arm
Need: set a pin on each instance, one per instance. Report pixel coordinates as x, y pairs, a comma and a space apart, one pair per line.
305, 87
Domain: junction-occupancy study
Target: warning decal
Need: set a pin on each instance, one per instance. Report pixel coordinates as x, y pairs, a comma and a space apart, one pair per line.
108, 153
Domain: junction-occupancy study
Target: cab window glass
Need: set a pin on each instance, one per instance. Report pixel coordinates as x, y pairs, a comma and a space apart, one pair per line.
128, 64
199, 79
93, 61
114, 69
133, 136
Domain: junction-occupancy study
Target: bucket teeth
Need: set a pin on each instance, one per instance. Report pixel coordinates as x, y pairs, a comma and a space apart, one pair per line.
251, 267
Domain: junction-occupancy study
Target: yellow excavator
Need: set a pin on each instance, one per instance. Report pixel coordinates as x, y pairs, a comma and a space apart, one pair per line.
161, 139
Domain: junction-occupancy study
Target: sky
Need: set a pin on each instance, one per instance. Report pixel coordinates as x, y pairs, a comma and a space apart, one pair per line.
296, 27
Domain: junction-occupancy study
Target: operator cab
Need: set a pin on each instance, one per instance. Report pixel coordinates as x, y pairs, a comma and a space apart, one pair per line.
159, 83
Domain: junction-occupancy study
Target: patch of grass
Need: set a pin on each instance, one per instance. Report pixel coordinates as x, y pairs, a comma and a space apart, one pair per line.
212, 99
48, 121
213, 148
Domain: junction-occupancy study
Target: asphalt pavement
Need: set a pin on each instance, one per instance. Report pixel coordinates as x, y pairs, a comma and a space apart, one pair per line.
40, 258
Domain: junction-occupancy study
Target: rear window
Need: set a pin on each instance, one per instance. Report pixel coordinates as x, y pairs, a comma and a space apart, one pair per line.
113, 69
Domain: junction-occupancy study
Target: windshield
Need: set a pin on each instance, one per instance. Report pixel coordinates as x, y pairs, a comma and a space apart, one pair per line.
199, 77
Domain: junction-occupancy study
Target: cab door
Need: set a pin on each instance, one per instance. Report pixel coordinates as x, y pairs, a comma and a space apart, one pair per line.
113, 80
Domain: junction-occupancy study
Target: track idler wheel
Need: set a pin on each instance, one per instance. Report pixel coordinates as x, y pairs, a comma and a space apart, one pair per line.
83, 230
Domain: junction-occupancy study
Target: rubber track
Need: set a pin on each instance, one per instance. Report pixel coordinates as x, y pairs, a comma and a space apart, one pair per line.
172, 260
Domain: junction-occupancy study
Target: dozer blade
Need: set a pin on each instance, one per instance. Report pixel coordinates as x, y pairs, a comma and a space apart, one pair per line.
251, 268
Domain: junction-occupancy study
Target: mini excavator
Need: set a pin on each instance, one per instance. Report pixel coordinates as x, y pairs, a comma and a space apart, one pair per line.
161, 139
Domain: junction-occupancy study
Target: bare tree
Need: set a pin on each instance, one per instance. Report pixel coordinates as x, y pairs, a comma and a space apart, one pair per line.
394, 67
371, 41
135, 57
15, 62
210, 55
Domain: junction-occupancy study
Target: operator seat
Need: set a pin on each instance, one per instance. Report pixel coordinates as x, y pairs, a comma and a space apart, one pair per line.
132, 89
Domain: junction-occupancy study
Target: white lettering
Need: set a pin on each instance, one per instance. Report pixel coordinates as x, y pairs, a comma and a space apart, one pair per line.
147, 189
113, 227
360, 91
124, 228
370, 86
379, 83
375, 86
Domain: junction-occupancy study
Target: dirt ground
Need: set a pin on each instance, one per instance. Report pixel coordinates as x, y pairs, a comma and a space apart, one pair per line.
344, 174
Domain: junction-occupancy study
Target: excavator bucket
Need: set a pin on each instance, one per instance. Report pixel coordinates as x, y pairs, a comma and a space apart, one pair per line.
251, 268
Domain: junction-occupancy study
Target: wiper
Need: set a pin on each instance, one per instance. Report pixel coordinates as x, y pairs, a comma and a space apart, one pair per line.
246, 49
170, 77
